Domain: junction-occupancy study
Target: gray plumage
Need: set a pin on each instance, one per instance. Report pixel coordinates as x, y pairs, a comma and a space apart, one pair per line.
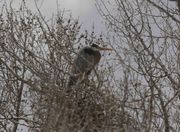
85, 61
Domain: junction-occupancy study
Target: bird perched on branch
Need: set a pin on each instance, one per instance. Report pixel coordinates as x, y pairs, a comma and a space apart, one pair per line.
85, 61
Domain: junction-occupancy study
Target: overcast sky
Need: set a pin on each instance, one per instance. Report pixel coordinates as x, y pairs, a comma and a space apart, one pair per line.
85, 10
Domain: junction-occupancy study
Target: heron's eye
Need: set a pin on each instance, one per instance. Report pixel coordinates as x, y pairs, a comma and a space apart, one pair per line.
94, 45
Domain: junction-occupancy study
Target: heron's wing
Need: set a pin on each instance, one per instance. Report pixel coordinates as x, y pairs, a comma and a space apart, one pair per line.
83, 63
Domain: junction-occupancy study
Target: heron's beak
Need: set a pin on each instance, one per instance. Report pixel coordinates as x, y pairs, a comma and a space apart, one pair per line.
102, 48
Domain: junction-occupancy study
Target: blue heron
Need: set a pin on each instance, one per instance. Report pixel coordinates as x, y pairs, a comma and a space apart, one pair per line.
85, 61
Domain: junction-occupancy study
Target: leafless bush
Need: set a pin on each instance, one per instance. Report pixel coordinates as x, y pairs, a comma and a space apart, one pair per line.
145, 35
35, 59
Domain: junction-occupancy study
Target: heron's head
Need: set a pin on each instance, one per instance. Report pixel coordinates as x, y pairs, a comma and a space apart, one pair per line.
98, 48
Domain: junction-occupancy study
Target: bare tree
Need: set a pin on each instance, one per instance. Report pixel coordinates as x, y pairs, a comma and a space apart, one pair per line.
136, 89
145, 35
35, 58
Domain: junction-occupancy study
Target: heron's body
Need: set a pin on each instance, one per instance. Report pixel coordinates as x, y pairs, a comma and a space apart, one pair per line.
86, 60
84, 63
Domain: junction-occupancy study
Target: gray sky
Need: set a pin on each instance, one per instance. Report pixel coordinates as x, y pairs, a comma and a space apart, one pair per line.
85, 10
